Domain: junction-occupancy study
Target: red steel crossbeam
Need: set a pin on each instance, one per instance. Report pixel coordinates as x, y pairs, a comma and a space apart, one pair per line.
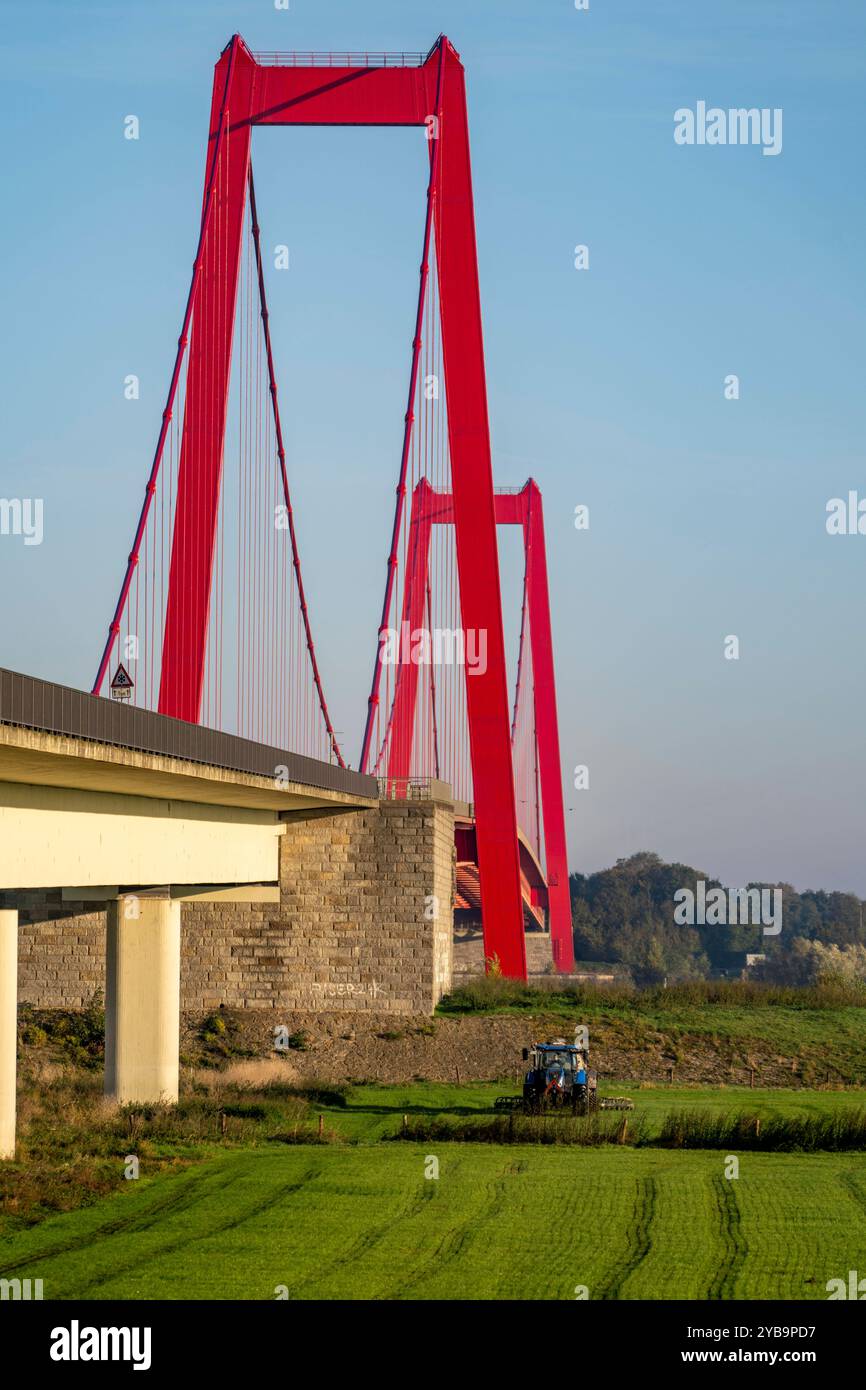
523, 509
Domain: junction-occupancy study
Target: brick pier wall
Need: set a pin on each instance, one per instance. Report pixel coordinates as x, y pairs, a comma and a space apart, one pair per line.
364, 922
61, 948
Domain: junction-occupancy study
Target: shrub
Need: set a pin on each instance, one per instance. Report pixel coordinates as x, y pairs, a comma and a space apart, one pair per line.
78, 1033
771, 1134
218, 1032
490, 992
589, 1131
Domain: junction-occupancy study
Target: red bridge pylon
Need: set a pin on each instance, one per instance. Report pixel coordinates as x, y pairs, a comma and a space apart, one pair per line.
463, 731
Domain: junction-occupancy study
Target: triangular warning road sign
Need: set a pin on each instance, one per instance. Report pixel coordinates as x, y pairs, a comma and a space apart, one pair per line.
121, 680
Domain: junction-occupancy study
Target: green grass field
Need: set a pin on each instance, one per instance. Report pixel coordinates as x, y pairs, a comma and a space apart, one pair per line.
364, 1222
358, 1218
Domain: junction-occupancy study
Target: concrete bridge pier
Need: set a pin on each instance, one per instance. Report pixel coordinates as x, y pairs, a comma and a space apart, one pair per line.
8, 1029
142, 999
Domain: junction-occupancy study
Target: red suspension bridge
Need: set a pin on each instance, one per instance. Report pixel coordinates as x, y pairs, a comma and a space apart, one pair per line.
212, 619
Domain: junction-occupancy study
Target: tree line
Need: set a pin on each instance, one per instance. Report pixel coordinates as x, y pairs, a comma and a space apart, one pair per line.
624, 916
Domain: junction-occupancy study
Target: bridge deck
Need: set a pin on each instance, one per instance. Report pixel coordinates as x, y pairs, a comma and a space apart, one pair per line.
95, 793
51, 735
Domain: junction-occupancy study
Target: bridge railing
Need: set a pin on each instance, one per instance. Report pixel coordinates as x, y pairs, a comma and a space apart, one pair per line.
341, 60
413, 789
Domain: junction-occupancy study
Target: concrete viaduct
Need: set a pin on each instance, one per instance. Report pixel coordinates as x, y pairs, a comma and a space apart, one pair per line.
300, 885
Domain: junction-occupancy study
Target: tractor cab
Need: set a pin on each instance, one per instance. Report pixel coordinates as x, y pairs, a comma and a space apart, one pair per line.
546, 1056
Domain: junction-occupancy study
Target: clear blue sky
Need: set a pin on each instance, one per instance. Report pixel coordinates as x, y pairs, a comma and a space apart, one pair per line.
707, 515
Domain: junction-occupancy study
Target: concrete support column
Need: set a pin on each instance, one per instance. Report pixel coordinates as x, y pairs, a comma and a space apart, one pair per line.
142, 1000
8, 1029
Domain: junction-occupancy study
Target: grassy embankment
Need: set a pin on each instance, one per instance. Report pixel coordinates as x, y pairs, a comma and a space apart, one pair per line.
822, 1030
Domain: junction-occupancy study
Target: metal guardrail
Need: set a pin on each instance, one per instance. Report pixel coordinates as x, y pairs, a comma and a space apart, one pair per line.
341, 60
413, 789
404, 788
346, 60
40, 705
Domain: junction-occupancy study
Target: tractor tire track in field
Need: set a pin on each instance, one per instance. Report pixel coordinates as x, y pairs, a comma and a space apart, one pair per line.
851, 1187
178, 1199
454, 1242
639, 1237
273, 1199
368, 1240
734, 1247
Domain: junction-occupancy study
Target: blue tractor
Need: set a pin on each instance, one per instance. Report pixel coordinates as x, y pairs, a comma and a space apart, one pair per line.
559, 1077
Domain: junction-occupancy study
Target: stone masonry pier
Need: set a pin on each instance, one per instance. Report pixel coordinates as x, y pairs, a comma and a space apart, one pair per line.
363, 920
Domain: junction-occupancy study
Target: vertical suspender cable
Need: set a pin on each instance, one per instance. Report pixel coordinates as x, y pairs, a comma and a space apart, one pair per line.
114, 626
373, 700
